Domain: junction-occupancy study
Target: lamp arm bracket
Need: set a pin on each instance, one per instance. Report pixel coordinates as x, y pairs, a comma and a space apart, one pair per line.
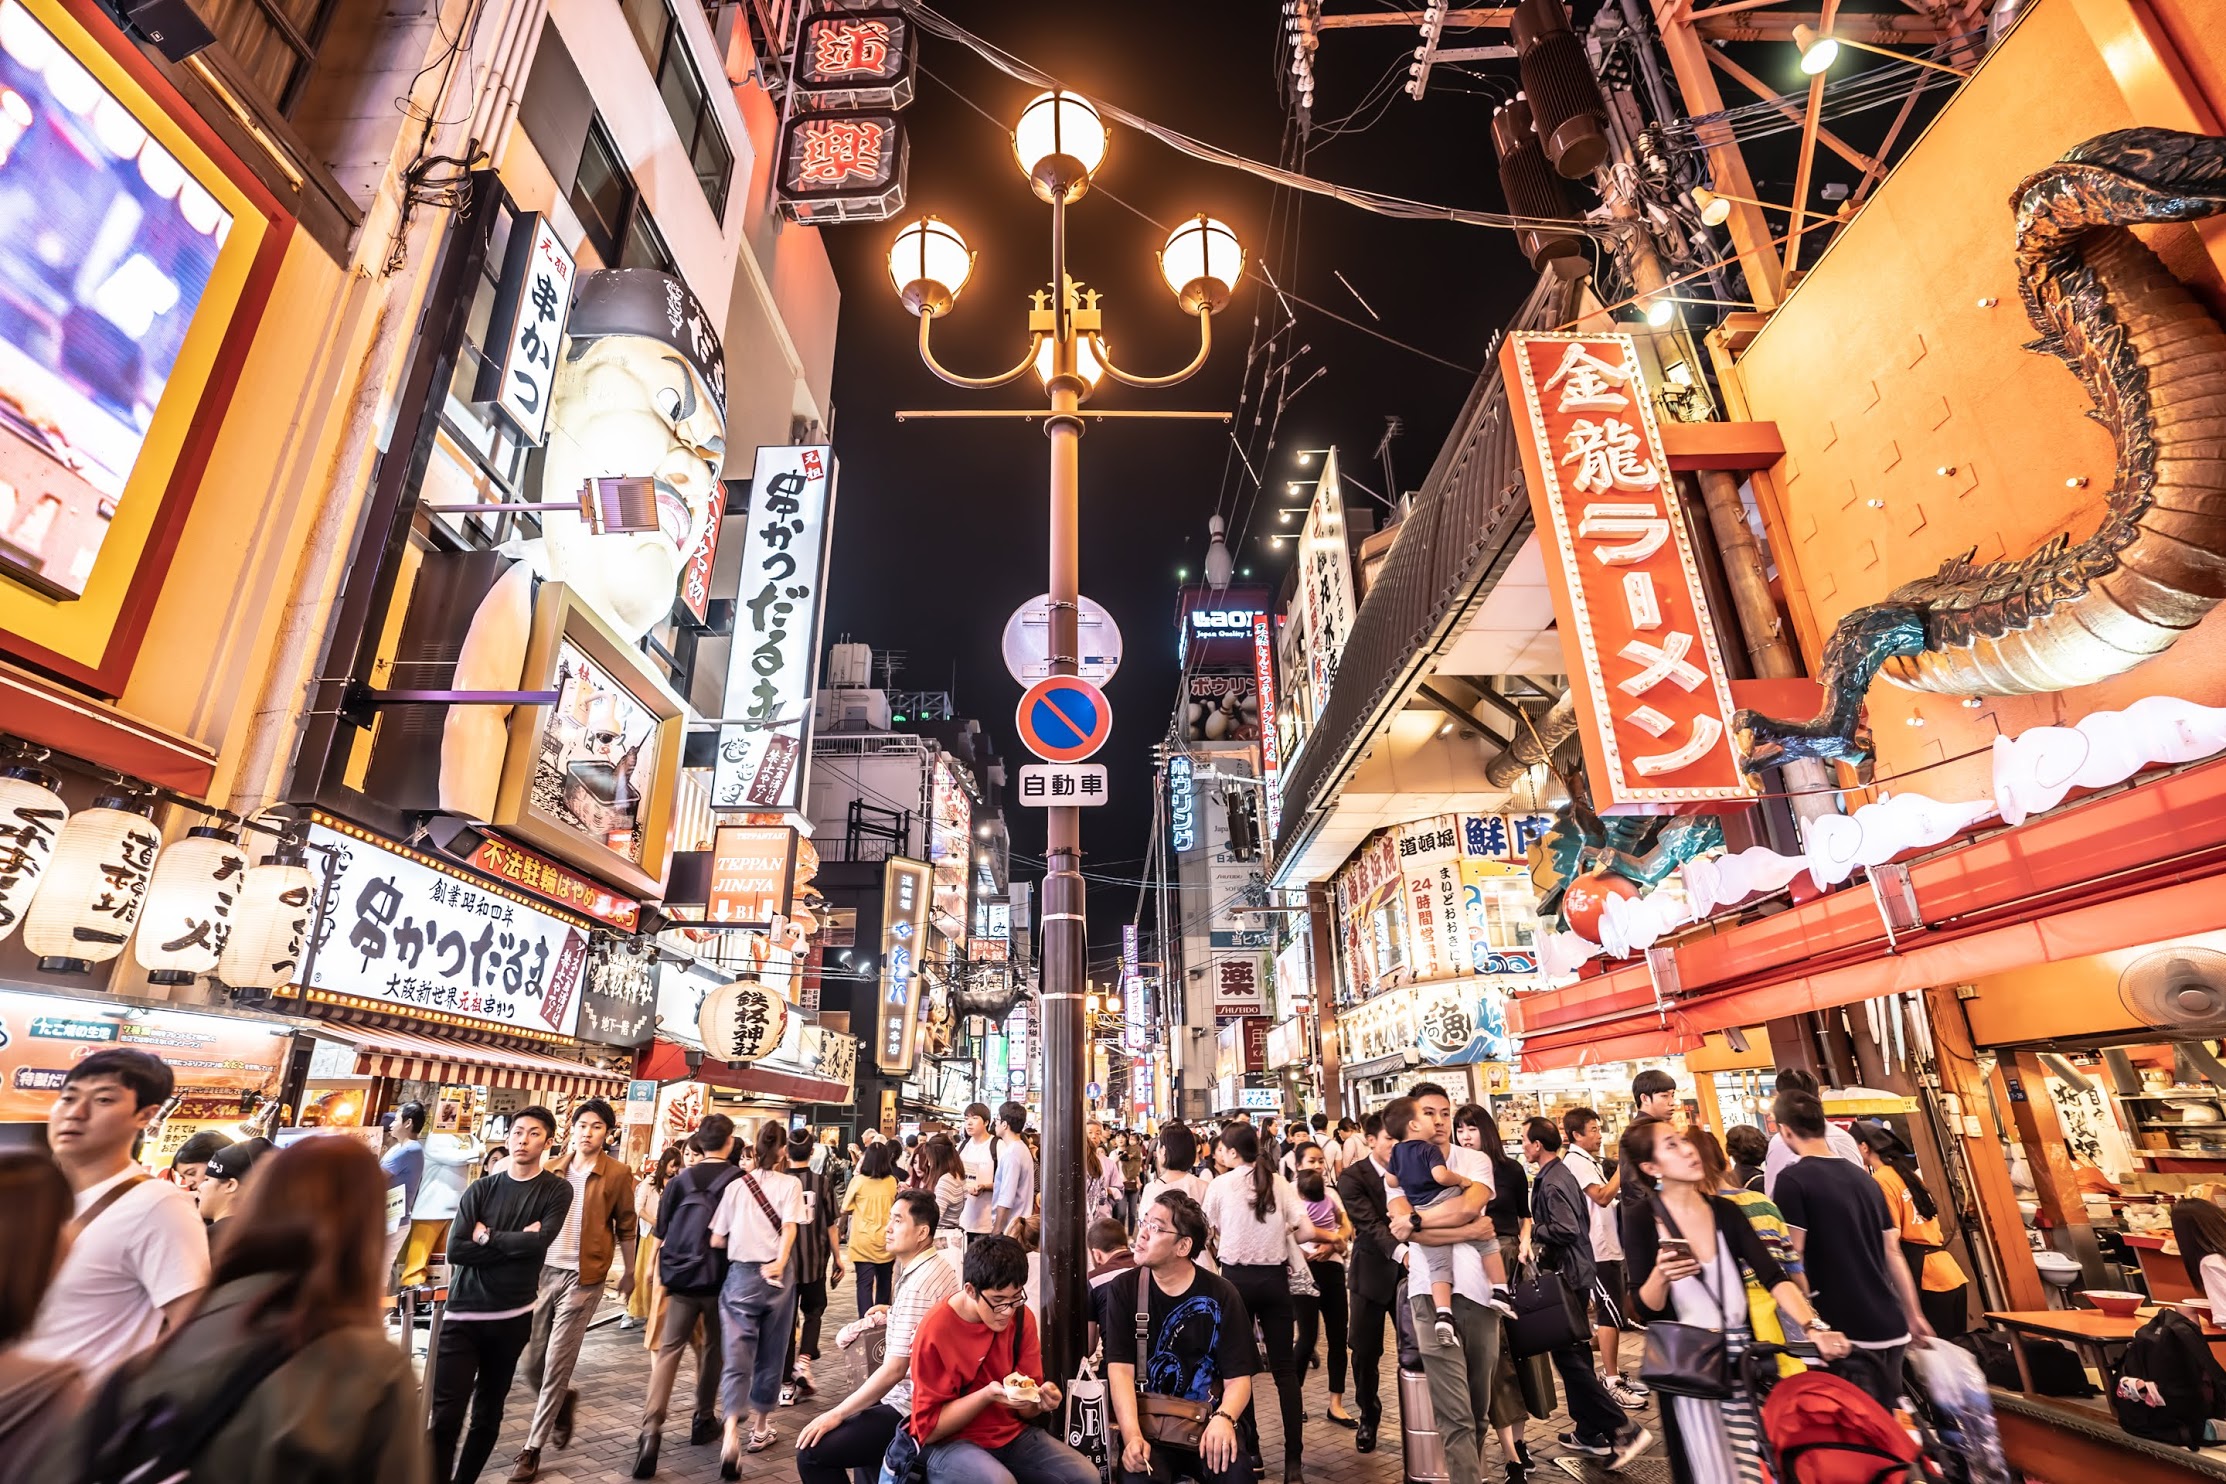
978, 383
1205, 346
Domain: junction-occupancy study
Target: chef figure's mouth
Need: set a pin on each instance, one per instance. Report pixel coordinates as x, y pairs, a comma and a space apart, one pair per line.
672, 515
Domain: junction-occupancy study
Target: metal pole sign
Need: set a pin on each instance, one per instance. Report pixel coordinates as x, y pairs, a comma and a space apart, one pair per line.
1028, 641
1064, 719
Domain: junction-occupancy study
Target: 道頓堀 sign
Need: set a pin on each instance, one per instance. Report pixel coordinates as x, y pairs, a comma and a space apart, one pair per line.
1654, 703
765, 738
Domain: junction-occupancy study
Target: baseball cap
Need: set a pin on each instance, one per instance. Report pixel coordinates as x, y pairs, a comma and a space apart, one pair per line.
233, 1161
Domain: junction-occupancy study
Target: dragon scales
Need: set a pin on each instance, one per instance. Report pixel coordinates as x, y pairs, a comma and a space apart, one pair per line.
2153, 359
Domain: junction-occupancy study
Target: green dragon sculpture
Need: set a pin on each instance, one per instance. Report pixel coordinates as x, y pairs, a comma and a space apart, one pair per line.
2153, 359
1641, 848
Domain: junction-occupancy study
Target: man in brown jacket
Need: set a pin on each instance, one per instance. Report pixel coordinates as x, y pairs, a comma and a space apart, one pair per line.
572, 1276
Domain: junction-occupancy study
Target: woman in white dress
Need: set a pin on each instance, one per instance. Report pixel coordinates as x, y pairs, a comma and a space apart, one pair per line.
1685, 1264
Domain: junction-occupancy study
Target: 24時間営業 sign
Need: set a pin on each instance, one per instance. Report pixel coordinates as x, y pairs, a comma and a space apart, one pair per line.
1654, 703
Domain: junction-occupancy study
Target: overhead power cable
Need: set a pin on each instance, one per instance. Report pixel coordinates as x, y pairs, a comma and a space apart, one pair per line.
1401, 207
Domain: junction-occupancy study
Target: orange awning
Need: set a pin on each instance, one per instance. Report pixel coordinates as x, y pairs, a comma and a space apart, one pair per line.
2112, 872
408, 1055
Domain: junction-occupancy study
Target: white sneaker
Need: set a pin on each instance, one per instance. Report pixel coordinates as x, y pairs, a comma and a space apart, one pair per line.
1624, 1393
788, 1396
1630, 1448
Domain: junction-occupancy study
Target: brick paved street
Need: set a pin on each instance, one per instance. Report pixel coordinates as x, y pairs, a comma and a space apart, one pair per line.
614, 1370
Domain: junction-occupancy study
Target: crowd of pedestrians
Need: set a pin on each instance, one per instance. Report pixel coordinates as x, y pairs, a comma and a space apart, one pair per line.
226, 1322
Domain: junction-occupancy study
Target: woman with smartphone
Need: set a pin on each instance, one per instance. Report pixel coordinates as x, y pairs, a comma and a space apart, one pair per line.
1690, 1264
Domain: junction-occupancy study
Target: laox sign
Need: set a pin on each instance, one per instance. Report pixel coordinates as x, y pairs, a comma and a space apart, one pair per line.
1654, 702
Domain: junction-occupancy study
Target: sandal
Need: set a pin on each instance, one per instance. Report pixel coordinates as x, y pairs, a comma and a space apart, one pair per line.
763, 1438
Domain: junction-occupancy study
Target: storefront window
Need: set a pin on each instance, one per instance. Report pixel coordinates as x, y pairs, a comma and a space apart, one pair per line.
1508, 912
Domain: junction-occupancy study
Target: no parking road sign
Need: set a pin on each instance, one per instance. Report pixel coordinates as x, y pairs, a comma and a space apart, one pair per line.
1064, 719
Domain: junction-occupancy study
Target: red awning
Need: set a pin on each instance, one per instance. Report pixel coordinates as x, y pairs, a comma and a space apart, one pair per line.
2112, 872
667, 1061
408, 1055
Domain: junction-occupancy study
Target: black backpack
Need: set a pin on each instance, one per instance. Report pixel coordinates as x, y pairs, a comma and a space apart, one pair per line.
2169, 1384
687, 1263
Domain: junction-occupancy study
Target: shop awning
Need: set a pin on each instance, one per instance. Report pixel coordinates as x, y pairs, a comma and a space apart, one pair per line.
2116, 871
667, 1061
406, 1054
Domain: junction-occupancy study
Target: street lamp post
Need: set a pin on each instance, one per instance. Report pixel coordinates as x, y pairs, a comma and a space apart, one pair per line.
1058, 143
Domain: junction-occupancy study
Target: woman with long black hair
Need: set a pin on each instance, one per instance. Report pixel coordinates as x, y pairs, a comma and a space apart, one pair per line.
1255, 1213
1509, 1208
1943, 1292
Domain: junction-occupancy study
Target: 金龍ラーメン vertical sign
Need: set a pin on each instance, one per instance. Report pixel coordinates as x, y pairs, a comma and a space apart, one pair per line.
1654, 703
904, 915
765, 741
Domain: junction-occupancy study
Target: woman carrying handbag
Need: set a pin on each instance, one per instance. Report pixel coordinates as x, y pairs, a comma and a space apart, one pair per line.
1689, 1266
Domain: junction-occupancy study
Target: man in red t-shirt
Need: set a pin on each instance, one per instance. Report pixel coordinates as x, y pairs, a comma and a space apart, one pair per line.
970, 1423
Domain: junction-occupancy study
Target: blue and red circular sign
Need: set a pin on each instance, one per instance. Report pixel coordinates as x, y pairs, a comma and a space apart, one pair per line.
1064, 719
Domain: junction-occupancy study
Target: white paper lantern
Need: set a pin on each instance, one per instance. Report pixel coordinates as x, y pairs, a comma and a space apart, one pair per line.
270, 922
31, 817
190, 903
742, 1021
92, 892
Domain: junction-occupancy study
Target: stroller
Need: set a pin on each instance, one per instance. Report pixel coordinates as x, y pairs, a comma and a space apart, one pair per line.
1821, 1429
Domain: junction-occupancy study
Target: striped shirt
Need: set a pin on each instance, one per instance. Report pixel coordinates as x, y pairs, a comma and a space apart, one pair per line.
926, 1281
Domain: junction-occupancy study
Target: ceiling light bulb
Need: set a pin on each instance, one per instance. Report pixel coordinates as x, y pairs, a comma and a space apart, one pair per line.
1714, 209
1660, 310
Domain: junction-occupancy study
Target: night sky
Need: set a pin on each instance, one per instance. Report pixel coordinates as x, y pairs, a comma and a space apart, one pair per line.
941, 530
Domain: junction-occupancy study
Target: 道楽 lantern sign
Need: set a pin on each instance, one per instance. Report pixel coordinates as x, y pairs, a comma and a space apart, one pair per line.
854, 59
843, 167
1654, 703
774, 666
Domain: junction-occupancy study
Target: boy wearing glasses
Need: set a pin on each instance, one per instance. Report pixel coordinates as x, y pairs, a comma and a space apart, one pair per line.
1198, 1347
977, 1376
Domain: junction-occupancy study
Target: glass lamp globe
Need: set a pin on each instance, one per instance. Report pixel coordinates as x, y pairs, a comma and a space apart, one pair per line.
1202, 263
1059, 140
929, 263
1087, 360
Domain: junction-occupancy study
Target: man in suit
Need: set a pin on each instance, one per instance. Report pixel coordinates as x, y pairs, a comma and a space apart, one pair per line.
1376, 1272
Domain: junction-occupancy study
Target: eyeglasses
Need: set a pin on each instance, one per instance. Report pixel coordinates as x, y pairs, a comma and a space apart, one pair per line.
1001, 1306
1152, 1229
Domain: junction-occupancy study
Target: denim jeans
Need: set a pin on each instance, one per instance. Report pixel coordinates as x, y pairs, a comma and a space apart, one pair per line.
757, 1317
1035, 1456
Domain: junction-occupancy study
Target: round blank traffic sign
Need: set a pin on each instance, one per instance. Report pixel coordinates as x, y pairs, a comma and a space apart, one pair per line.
1063, 719
1027, 642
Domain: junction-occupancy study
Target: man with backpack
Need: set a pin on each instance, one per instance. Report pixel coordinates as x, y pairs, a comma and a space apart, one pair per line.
691, 1270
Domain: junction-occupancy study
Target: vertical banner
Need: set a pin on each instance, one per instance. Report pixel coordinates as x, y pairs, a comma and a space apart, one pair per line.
1654, 703
765, 745
1430, 872
1271, 770
532, 304
1325, 599
904, 909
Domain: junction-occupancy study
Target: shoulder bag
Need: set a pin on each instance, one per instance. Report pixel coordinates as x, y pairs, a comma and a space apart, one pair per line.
1689, 1359
1174, 1420
1548, 1315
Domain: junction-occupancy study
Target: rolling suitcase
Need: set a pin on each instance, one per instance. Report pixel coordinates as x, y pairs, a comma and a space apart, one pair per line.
1418, 1431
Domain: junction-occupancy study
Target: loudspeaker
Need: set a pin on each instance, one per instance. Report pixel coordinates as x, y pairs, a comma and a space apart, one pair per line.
169, 26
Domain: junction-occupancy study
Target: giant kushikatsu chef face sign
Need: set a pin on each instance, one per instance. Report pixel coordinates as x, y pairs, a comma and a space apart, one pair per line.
639, 395
640, 392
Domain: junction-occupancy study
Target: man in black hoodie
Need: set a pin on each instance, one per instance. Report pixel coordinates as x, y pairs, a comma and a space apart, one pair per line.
503, 1227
